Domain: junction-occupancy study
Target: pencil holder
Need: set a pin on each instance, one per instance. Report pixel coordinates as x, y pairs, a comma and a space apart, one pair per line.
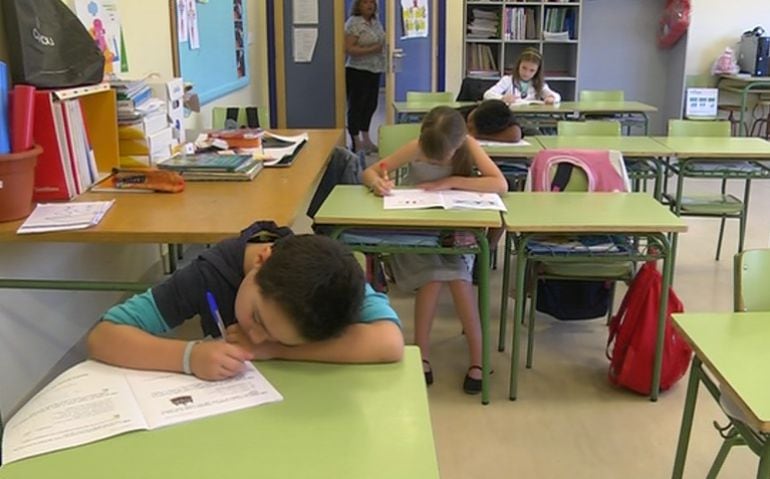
17, 180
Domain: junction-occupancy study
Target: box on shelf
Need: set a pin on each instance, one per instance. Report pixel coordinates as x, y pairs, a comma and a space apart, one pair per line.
172, 92
148, 125
153, 143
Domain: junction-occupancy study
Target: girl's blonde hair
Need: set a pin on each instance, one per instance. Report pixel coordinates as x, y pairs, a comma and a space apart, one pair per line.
533, 56
355, 8
443, 129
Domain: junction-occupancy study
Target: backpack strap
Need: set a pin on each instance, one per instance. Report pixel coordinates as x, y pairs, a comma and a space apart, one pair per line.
562, 176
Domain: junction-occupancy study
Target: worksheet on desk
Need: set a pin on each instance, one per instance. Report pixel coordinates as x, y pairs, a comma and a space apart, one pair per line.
405, 198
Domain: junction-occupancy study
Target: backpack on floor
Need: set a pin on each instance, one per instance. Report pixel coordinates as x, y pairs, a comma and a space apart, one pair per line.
633, 332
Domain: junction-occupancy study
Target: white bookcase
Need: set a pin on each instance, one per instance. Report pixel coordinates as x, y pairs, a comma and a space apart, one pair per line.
497, 31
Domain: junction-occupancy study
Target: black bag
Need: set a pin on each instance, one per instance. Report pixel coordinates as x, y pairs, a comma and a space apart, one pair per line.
49, 47
567, 300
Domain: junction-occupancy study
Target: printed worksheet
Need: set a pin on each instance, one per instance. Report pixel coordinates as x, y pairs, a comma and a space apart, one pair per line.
93, 401
400, 199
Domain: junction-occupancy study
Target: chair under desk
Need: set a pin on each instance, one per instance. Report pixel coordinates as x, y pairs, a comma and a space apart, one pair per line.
635, 215
744, 86
336, 421
353, 207
206, 212
734, 348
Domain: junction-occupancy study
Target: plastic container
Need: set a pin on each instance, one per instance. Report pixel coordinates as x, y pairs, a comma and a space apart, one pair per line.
17, 180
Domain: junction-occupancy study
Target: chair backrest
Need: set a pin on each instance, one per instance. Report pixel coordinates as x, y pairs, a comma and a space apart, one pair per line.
393, 137
429, 96
588, 128
593, 170
751, 275
233, 117
472, 89
602, 95
719, 128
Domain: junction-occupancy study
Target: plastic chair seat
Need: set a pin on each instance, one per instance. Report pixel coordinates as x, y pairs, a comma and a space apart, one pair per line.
712, 205
741, 169
609, 271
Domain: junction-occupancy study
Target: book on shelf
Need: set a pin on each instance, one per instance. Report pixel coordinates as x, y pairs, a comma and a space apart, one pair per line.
93, 401
401, 199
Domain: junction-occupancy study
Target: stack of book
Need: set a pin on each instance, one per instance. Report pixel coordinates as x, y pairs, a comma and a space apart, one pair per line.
67, 166
144, 131
214, 166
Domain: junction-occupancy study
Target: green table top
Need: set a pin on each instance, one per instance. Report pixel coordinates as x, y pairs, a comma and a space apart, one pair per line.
734, 347
568, 212
609, 106
627, 145
721, 148
426, 106
336, 421
353, 205
499, 150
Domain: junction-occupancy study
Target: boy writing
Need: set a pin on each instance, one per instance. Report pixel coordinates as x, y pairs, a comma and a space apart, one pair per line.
303, 298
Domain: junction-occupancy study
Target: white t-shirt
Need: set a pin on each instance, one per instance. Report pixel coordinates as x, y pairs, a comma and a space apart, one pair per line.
369, 33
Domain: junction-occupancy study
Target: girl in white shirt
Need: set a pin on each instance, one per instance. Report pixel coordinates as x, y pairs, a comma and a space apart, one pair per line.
525, 82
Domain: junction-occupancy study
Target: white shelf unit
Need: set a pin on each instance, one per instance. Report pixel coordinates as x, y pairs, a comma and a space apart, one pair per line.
496, 32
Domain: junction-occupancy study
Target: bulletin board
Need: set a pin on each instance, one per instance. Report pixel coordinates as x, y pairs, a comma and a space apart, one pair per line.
218, 65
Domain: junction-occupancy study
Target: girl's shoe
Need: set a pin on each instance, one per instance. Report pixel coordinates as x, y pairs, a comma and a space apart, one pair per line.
429, 373
472, 385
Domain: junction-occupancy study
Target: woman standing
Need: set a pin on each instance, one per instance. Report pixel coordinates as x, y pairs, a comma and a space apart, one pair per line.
365, 47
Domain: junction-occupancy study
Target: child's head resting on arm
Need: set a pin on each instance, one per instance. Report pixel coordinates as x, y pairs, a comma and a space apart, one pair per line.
442, 140
301, 289
493, 120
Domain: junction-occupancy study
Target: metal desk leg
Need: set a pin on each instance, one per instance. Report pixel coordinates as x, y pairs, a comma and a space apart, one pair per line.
662, 314
646, 123
504, 296
521, 299
481, 238
763, 471
687, 415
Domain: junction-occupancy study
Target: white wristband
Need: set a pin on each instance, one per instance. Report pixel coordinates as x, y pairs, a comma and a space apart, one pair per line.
186, 356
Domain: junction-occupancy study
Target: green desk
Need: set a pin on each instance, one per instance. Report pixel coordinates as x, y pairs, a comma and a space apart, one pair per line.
703, 149
336, 421
532, 215
734, 349
406, 110
565, 109
743, 85
354, 207
500, 150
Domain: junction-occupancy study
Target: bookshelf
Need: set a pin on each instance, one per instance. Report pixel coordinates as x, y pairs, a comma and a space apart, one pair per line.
497, 31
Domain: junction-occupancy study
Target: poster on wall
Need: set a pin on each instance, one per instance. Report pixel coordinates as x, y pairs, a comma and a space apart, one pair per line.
414, 18
101, 19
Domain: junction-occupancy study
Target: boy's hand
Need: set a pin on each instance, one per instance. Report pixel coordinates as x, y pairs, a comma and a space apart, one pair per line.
259, 352
214, 360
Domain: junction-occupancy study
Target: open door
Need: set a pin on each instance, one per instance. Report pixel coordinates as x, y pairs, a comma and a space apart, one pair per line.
413, 59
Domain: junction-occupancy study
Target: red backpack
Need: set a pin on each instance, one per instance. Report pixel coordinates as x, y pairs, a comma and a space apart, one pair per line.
633, 332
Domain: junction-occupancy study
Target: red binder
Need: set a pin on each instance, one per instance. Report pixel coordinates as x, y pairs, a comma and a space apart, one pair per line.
53, 176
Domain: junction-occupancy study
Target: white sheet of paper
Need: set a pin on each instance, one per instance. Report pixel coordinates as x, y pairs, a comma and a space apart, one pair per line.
65, 216
304, 11
400, 199
503, 143
181, 20
84, 404
304, 41
168, 398
192, 25
277, 154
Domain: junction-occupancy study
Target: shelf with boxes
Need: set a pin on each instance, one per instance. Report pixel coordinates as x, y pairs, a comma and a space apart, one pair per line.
498, 31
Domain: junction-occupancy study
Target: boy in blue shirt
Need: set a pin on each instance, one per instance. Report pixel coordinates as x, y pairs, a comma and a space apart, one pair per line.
280, 296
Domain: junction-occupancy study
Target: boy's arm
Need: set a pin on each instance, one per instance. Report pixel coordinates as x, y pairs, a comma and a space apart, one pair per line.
131, 347
375, 342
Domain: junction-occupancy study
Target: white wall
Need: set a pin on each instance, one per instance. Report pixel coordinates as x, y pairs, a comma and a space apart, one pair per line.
716, 24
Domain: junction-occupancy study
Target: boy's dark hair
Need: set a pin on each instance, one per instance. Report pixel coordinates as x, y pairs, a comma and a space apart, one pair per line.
316, 281
492, 116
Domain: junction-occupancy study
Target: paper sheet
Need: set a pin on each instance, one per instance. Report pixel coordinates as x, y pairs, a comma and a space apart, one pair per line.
503, 143
304, 42
74, 215
305, 11
401, 199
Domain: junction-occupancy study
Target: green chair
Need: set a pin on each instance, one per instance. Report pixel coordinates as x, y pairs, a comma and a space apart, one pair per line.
393, 137
627, 120
639, 169
751, 274
722, 205
430, 97
233, 117
621, 270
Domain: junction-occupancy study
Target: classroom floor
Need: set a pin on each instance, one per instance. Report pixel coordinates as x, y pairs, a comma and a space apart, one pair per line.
569, 422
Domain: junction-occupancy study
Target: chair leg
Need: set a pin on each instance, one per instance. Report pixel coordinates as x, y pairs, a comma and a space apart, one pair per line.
744, 216
611, 301
531, 327
722, 222
732, 439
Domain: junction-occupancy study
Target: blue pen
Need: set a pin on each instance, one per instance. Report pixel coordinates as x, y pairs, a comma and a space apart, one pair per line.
215, 313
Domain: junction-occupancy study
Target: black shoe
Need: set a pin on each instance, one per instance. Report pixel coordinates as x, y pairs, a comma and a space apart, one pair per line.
472, 385
429, 373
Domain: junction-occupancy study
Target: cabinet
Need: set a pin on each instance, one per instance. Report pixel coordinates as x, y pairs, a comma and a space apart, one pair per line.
497, 31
